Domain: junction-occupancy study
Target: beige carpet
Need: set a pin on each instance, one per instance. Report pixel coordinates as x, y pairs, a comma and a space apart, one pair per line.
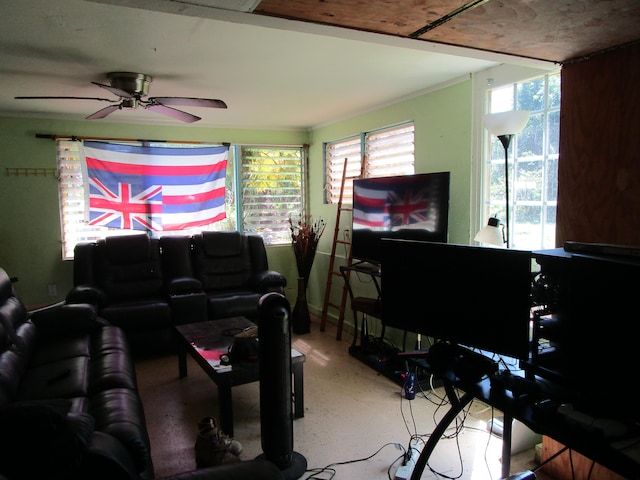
356, 421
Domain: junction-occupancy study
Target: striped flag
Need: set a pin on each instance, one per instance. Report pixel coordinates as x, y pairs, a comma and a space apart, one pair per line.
154, 188
370, 205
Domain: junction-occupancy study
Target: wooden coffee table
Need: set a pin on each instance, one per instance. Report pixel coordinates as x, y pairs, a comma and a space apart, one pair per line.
206, 341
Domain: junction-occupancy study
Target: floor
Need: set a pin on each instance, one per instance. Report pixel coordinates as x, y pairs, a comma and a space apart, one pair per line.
356, 424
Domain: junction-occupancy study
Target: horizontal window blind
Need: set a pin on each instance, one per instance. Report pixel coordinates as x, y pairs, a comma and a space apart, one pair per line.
390, 152
74, 228
271, 182
387, 152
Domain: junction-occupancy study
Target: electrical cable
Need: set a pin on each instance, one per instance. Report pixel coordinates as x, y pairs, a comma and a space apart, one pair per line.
332, 471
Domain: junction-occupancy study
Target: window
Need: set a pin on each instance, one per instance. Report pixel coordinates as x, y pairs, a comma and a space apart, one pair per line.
271, 182
533, 162
387, 152
270, 179
72, 200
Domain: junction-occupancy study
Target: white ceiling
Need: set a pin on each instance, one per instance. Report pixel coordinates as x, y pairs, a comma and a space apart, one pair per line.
272, 73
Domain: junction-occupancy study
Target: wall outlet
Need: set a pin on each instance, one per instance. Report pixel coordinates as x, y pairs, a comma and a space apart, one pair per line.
52, 288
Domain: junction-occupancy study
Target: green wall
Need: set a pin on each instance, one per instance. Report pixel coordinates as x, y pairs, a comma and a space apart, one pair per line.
442, 143
30, 247
29, 222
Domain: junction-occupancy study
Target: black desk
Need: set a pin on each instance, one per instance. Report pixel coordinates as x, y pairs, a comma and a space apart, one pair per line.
612, 454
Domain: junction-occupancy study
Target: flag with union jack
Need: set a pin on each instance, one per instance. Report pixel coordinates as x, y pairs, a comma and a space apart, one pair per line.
154, 188
408, 206
401, 202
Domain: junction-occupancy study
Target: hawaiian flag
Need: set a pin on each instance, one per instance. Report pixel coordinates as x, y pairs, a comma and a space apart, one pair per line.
154, 188
402, 201
370, 205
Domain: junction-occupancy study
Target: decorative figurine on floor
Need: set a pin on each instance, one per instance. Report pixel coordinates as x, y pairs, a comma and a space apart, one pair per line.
305, 234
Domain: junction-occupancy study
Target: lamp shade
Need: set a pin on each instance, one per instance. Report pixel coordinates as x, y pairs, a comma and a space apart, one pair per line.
491, 233
506, 123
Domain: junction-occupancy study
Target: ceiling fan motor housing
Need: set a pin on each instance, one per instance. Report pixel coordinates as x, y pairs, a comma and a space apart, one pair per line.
136, 84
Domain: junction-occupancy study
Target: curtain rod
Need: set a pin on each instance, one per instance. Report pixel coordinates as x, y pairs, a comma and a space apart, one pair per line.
75, 137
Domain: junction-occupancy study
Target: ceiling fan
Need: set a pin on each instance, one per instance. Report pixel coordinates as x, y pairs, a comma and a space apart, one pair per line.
133, 88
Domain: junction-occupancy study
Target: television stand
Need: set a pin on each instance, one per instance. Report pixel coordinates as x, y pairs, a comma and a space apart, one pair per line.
374, 351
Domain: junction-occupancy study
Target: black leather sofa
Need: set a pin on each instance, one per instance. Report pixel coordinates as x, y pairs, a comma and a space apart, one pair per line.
147, 285
69, 404
68, 392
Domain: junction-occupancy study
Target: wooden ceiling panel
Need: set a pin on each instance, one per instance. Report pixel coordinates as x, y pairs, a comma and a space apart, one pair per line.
400, 18
557, 31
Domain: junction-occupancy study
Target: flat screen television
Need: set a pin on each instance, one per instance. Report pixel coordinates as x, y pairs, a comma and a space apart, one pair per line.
406, 206
477, 297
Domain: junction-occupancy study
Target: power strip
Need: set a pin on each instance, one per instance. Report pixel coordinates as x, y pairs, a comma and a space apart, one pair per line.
404, 472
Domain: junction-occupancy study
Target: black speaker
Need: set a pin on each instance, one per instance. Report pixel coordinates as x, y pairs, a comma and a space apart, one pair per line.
276, 398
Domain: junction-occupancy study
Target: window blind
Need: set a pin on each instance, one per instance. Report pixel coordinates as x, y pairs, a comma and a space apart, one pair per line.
387, 152
271, 182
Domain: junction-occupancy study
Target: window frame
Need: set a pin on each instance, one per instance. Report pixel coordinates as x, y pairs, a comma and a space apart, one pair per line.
295, 207
485, 143
362, 152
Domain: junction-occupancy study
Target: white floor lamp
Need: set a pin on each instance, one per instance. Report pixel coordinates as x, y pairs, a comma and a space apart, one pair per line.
504, 125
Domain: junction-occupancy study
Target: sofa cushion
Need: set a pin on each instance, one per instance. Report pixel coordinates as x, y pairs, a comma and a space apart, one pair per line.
65, 378
77, 345
15, 359
129, 267
234, 304
222, 244
119, 413
127, 249
12, 314
139, 315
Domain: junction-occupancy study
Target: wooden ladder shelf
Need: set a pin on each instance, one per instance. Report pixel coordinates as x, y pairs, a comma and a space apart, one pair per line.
333, 272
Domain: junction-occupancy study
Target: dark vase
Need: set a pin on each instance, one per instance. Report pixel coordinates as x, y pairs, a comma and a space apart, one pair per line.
301, 320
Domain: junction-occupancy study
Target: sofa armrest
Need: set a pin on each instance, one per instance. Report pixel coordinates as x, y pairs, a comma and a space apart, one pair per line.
268, 280
65, 318
256, 469
87, 294
107, 458
183, 285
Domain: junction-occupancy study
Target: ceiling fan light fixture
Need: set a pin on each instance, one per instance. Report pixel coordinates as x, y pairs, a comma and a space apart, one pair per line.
129, 103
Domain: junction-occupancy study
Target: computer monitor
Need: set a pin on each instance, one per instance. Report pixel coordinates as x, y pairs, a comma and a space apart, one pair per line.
477, 297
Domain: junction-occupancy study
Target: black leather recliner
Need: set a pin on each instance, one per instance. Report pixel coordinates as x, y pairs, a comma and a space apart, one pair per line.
123, 277
234, 273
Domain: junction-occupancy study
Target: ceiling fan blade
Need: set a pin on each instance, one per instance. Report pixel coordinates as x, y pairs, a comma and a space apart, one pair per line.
66, 98
189, 102
172, 112
103, 113
115, 91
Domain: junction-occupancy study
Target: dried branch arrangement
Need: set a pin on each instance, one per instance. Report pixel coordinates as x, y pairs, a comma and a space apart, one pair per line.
305, 235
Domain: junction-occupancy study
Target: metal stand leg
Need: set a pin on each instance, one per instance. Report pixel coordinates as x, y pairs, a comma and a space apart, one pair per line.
506, 444
456, 407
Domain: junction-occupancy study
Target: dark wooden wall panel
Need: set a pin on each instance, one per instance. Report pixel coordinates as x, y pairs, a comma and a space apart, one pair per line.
599, 167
